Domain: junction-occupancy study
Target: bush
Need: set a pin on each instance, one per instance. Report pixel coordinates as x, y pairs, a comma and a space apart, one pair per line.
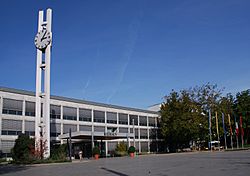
131, 149
22, 150
121, 149
96, 151
58, 152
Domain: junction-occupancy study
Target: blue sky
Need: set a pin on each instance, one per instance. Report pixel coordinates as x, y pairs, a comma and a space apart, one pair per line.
129, 52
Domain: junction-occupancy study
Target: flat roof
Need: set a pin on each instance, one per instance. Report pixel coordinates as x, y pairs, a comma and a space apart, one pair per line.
60, 98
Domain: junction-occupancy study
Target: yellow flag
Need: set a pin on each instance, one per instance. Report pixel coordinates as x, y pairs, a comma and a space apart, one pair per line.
217, 123
229, 124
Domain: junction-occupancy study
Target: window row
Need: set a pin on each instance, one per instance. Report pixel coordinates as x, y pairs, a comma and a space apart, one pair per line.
14, 107
14, 127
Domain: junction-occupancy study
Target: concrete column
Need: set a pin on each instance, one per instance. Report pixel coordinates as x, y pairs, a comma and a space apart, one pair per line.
148, 136
77, 118
117, 117
139, 135
47, 87
1, 109
61, 119
23, 115
106, 148
92, 131
106, 129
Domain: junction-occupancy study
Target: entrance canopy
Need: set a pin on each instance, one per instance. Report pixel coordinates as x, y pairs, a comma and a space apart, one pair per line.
87, 135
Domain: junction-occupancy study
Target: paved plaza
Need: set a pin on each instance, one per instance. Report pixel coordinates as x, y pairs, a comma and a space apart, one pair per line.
193, 164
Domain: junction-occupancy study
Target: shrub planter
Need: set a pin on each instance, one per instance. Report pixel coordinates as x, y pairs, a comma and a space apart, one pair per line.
131, 151
96, 156
132, 155
96, 152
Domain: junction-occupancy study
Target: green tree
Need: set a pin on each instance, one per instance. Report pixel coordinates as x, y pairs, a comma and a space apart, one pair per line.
23, 149
184, 115
242, 108
121, 149
180, 120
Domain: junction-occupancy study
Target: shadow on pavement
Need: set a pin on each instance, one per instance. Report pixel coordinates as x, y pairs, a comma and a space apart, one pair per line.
114, 172
5, 169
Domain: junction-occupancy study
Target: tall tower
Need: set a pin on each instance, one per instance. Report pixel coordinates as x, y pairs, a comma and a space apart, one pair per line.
43, 41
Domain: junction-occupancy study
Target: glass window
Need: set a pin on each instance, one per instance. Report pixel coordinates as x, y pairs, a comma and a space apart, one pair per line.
133, 117
55, 129
151, 121
11, 124
99, 116
14, 107
7, 146
85, 115
29, 128
123, 118
30, 108
143, 120
66, 128
111, 147
11, 127
85, 128
69, 113
152, 133
55, 111
143, 134
99, 129
123, 130
144, 147
112, 117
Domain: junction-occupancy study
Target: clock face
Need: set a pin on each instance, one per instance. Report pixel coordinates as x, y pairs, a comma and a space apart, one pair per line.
42, 39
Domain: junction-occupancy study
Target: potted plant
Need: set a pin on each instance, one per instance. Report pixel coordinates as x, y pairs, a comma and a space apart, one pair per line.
96, 152
131, 151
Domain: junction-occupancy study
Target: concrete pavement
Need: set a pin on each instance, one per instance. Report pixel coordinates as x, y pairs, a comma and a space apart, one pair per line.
193, 164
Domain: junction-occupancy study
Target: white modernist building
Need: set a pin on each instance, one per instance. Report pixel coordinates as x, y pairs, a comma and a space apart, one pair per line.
91, 123
53, 120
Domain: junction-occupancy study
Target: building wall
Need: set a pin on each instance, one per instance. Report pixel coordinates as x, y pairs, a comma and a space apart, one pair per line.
17, 115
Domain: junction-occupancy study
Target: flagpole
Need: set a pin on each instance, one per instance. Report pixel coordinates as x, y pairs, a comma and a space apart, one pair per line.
225, 137
236, 132
210, 130
242, 131
217, 129
230, 131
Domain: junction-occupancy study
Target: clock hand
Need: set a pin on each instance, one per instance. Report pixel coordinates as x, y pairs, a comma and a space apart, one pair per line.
43, 37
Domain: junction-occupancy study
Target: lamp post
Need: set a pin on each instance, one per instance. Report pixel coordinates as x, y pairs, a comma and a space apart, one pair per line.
200, 135
133, 121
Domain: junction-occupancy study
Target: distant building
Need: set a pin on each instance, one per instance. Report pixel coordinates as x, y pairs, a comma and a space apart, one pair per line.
91, 123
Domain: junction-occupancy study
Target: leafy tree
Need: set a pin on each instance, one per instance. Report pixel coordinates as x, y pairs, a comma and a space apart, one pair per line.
121, 149
242, 108
184, 115
180, 120
59, 152
23, 148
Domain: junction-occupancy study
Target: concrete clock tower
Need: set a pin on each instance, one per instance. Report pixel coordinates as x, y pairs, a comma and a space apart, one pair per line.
43, 41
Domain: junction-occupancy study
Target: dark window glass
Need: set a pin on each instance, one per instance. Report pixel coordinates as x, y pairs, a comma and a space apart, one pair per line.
123, 118
133, 117
151, 121
55, 112
85, 115
13, 107
143, 134
112, 117
30, 108
143, 120
69, 113
99, 116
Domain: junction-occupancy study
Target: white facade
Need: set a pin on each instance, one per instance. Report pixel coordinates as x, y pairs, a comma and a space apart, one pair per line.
17, 115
